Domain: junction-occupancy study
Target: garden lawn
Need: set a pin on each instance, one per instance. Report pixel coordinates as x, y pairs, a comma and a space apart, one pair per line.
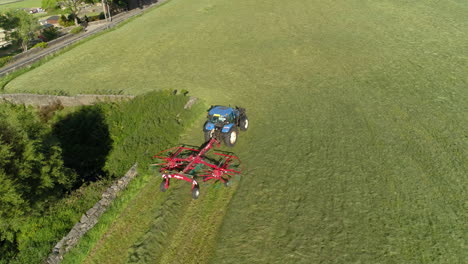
357, 149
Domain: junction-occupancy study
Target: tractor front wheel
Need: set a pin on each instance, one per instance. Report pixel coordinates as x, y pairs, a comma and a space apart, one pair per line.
208, 135
244, 123
230, 138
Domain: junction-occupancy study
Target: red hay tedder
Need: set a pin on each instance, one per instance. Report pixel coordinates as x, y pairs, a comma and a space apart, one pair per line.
191, 164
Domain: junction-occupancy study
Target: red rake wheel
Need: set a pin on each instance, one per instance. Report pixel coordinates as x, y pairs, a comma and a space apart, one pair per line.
164, 185
227, 183
196, 192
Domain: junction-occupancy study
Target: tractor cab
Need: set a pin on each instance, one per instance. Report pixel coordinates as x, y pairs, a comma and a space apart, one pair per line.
221, 115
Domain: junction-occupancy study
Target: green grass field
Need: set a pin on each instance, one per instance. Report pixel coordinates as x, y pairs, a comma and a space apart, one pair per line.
357, 150
12, 4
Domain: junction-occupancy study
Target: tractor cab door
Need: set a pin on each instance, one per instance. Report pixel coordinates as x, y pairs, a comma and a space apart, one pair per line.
231, 118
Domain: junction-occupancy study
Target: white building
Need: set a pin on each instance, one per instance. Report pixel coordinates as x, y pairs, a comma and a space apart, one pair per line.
3, 41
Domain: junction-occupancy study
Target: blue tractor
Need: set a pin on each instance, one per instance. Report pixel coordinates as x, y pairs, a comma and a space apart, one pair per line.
224, 123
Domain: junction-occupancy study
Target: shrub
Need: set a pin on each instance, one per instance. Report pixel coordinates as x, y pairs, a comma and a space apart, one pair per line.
50, 33
102, 16
66, 22
76, 30
41, 45
94, 18
47, 112
5, 60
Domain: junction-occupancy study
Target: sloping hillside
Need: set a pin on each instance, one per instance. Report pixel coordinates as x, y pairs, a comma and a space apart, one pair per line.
357, 150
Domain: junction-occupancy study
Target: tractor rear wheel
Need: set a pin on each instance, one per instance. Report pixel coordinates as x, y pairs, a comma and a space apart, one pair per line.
230, 138
244, 123
162, 186
195, 192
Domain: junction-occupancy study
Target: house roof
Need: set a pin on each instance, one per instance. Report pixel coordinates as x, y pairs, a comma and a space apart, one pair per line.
47, 26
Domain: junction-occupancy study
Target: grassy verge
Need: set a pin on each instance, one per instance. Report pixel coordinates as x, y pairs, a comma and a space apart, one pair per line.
140, 205
86, 244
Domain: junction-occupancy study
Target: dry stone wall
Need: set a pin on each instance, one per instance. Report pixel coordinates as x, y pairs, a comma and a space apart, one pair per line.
77, 100
90, 218
190, 102
45, 100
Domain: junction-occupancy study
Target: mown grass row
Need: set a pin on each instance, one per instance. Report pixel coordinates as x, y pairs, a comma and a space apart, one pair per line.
165, 227
140, 206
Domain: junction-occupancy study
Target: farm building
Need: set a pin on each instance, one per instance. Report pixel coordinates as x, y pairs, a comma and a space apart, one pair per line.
53, 20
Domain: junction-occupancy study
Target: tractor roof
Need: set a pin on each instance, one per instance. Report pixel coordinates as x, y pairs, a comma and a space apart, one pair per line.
220, 110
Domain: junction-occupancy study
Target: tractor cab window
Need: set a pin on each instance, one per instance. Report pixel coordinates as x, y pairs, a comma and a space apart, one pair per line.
217, 119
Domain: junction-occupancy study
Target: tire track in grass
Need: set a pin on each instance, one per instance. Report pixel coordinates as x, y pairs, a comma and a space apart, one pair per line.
193, 231
197, 230
167, 227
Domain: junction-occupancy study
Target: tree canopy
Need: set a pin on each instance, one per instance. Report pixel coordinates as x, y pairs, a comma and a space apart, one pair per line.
31, 169
20, 26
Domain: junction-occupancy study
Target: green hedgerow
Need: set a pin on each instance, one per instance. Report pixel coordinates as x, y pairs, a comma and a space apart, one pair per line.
5, 60
76, 30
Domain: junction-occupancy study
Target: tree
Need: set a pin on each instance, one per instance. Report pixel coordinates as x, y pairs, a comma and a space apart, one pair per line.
20, 27
74, 6
12, 205
32, 172
49, 34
